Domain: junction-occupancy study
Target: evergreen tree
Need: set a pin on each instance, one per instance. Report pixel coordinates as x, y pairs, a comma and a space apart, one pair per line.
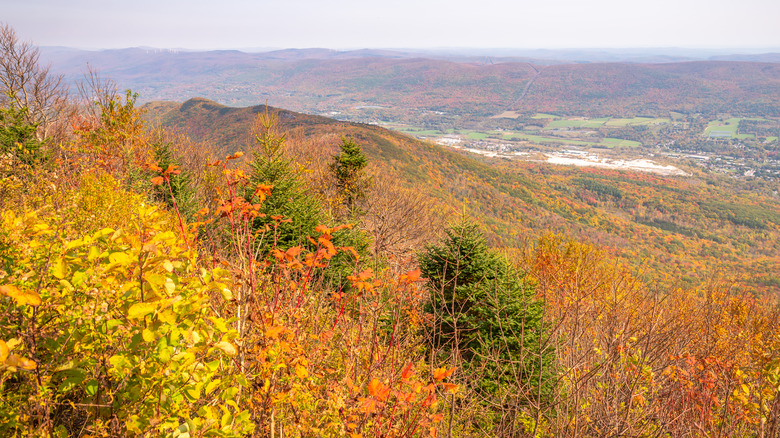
288, 199
347, 166
181, 183
18, 140
485, 316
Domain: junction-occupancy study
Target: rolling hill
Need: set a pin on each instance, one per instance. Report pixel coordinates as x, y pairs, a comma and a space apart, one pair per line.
414, 87
680, 230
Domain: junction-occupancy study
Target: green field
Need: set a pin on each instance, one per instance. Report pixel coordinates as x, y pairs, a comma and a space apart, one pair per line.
722, 129
592, 123
638, 121
544, 116
541, 139
474, 135
416, 131
607, 142
619, 142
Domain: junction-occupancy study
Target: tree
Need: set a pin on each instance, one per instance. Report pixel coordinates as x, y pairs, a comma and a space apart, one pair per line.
296, 213
18, 141
485, 318
347, 167
179, 191
27, 84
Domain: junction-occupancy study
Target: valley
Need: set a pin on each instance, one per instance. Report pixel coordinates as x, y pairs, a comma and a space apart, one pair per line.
651, 207
708, 114
740, 147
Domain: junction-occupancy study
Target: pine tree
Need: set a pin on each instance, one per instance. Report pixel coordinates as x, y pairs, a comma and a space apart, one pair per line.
347, 166
18, 140
299, 211
181, 184
485, 316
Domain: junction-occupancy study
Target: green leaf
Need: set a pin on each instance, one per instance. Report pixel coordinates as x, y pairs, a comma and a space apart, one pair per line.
91, 388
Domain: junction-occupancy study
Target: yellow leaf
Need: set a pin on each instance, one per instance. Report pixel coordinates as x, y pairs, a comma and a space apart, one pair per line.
148, 335
227, 347
4, 350
59, 269
140, 310
168, 266
301, 372
21, 297
20, 362
167, 316
169, 286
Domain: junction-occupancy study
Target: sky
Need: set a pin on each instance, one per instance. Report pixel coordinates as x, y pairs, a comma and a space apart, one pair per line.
350, 24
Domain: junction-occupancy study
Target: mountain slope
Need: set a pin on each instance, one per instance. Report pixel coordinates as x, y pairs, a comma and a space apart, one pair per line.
680, 229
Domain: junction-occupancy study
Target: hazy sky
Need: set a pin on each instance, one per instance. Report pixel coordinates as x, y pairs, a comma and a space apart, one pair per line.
207, 24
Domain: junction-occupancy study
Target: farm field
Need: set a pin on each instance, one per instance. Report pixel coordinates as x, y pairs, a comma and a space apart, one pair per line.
728, 128
722, 129
575, 123
638, 121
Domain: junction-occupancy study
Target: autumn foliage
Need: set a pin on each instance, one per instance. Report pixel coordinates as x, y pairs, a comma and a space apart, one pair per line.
148, 288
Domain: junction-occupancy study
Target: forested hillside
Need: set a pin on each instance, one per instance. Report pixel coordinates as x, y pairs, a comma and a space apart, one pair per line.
197, 270
423, 90
684, 229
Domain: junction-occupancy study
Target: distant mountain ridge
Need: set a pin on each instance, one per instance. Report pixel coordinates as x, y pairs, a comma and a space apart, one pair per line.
410, 86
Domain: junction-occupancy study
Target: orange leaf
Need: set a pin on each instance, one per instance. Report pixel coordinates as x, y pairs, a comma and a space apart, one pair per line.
352, 251
157, 180
293, 252
374, 386
450, 387
369, 405
407, 371
412, 276
442, 373
20, 362
238, 154
274, 332
365, 275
